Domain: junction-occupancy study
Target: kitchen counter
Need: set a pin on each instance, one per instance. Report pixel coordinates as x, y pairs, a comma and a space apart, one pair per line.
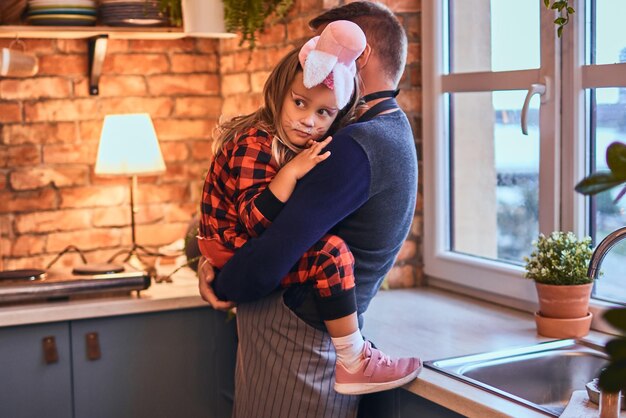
435, 324
426, 322
180, 294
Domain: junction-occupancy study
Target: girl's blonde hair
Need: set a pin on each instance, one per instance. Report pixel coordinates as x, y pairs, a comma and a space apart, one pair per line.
267, 118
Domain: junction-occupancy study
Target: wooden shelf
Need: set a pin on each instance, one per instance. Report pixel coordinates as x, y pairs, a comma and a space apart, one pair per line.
98, 37
84, 32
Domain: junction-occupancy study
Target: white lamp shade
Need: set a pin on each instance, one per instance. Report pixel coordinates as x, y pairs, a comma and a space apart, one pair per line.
128, 147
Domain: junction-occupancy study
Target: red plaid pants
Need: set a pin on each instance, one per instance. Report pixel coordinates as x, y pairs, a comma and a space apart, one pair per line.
329, 263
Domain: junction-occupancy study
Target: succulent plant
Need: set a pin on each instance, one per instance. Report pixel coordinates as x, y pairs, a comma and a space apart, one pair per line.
560, 259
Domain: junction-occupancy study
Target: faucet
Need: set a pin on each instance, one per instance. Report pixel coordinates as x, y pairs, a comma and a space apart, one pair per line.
603, 248
610, 403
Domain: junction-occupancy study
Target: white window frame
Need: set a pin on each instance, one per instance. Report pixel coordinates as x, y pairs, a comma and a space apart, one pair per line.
579, 76
561, 207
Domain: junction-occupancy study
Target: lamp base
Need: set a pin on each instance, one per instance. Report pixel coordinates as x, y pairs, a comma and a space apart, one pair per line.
134, 261
133, 256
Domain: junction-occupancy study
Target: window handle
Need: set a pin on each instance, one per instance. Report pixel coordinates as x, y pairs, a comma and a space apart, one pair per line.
536, 88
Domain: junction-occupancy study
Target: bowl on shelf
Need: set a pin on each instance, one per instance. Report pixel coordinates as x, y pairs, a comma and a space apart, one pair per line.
131, 13
62, 12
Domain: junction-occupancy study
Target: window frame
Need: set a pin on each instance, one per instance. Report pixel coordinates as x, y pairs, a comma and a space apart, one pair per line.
561, 207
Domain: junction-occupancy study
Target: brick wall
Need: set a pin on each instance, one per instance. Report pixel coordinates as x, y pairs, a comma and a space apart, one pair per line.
243, 74
49, 132
50, 129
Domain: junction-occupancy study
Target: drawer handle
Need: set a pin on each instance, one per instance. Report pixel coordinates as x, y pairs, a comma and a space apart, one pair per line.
50, 352
93, 346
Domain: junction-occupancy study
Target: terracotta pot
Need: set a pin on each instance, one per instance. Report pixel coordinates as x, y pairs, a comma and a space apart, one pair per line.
564, 301
563, 328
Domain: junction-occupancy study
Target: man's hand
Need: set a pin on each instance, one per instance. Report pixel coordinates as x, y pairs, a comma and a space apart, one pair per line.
205, 277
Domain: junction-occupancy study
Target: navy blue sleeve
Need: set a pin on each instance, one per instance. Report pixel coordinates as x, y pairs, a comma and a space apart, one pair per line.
327, 194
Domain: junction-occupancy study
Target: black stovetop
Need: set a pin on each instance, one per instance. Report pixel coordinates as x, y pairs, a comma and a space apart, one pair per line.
25, 285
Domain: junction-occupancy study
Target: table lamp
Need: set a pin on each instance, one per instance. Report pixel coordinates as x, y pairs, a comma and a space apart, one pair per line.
129, 147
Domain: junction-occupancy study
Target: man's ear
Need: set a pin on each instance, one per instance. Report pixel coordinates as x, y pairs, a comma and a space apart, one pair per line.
364, 57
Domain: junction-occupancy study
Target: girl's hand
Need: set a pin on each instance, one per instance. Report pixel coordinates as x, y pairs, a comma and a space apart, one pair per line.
308, 158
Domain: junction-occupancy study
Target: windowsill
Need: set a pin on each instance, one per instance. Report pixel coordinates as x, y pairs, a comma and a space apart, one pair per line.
596, 307
435, 324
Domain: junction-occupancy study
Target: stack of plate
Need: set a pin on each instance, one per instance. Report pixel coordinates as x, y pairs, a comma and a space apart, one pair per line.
131, 13
61, 12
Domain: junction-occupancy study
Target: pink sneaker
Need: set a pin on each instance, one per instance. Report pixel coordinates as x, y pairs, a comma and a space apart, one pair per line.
377, 373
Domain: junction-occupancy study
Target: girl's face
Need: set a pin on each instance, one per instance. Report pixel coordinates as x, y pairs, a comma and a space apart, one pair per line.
307, 113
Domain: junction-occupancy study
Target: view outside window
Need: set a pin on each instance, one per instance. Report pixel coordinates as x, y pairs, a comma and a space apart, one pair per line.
606, 107
495, 174
490, 199
496, 31
606, 33
494, 167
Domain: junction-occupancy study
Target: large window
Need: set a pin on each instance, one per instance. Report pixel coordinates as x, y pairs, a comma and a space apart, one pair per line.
604, 83
495, 68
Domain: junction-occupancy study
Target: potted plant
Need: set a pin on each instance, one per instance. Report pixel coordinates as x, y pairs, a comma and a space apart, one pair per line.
558, 265
173, 10
248, 17
245, 17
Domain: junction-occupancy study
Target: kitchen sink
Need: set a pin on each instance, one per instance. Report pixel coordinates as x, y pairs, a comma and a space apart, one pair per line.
542, 376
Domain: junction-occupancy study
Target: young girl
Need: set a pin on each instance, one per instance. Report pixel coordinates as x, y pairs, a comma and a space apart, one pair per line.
258, 160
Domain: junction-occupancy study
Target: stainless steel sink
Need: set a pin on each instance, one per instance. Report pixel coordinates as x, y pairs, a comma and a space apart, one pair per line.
542, 376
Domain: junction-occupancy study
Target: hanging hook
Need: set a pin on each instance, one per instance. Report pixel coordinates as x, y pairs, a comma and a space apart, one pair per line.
17, 41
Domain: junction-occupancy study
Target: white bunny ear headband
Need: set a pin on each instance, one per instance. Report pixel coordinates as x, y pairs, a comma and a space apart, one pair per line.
329, 59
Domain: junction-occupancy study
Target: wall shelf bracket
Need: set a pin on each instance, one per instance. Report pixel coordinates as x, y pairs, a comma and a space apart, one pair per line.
97, 52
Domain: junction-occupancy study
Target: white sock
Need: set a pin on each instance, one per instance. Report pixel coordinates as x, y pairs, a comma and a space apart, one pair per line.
349, 349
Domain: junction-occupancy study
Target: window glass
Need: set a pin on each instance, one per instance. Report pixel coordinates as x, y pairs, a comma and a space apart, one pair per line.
494, 175
610, 285
608, 116
608, 32
493, 35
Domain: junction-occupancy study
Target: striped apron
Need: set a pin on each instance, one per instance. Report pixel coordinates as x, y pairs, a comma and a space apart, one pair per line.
285, 368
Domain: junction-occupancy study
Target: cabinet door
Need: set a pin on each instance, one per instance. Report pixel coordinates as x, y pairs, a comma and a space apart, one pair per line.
400, 403
29, 385
153, 365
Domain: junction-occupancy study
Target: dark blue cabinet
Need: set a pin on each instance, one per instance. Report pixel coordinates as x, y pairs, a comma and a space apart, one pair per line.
30, 386
399, 403
164, 364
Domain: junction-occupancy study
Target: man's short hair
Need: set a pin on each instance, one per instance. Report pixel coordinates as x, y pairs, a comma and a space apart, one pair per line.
384, 32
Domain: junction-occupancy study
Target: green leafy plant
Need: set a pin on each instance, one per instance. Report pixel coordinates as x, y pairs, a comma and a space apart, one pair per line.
248, 17
173, 10
560, 259
604, 180
613, 377
565, 10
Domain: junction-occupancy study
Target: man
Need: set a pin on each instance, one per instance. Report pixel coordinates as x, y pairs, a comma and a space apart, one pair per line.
364, 193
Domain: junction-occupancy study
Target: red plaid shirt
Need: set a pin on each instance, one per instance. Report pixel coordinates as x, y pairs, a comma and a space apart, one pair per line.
239, 173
